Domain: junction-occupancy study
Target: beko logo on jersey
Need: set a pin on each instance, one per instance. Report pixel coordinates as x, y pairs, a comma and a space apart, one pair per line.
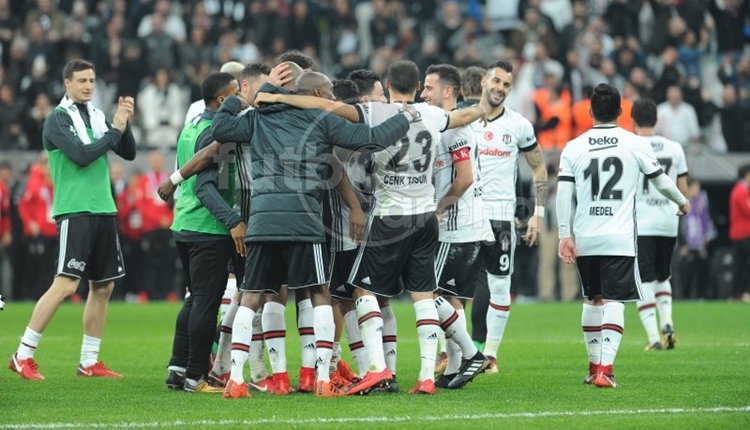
606, 140
494, 152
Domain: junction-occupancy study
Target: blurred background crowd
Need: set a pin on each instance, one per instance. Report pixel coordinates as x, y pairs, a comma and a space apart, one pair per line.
691, 56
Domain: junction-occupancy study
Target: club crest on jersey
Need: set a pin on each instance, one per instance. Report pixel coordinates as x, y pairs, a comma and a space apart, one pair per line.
505, 243
488, 135
506, 139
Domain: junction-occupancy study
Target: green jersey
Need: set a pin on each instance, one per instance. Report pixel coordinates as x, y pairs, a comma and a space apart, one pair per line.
80, 172
190, 214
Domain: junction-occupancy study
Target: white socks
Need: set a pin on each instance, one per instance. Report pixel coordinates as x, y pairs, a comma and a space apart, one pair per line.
454, 327
613, 324
663, 292
223, 351
274, 332
90, 351
497, 312
356, 346
647, 312
389, 338
371, 328
307, 333
591, 321
428, 329
257, 363
242, 334
29, 342
324, 331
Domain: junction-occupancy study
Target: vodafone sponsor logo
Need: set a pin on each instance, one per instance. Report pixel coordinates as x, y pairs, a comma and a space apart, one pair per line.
494, 152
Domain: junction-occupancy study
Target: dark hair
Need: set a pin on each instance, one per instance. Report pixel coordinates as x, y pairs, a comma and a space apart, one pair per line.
297, 58
644, 113
605, 103
76, 65
471, 81
743, 170
346, 91
502, 64
214, 84
364, 79
587, 91
448, 76
403, 76
254, 70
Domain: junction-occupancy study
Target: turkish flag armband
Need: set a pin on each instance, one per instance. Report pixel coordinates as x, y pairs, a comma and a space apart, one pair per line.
461, 154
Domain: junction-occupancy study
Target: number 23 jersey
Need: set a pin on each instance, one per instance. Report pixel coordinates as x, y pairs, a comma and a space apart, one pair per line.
403, 172
605, 163
657, 215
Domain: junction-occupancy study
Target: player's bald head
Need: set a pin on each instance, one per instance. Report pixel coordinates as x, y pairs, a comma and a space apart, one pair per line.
297, 71
316, 84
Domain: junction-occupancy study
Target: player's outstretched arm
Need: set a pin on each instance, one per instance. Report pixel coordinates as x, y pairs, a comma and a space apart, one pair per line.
125, 147
351, 136
567, 249
311, 102
535, 159
668, 189
199, 162
228, 127
462, 117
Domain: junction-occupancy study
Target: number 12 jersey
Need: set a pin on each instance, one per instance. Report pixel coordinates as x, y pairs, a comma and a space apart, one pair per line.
606, 163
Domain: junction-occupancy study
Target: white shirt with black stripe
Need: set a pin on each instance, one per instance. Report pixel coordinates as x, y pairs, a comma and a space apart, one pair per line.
403, 173
606, 164
657, 215
464, 221
500, 143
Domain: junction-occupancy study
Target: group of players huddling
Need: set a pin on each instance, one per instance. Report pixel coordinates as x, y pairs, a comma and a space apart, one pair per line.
348, 199
417, 195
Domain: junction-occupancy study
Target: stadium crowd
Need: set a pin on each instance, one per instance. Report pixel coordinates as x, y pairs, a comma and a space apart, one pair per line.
690, 56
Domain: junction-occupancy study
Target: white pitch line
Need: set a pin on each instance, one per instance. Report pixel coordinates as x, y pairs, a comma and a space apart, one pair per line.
365, 420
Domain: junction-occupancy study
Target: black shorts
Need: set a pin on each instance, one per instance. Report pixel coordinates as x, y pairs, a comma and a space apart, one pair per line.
457, 268
612, 277
89, 246
236, 267
341, 267
398, 248
655, 257
204, 266
296, 264
499, 254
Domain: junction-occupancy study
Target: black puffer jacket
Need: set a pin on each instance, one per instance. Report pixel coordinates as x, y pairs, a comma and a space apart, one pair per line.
290, 149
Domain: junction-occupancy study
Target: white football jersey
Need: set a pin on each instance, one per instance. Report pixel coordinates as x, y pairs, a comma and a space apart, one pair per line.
196, 108
606, 163
355, 164
403, 173
464, 221
499, 145
656, 214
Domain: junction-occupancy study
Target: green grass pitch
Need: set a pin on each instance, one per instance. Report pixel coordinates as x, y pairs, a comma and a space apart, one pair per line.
703, 383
